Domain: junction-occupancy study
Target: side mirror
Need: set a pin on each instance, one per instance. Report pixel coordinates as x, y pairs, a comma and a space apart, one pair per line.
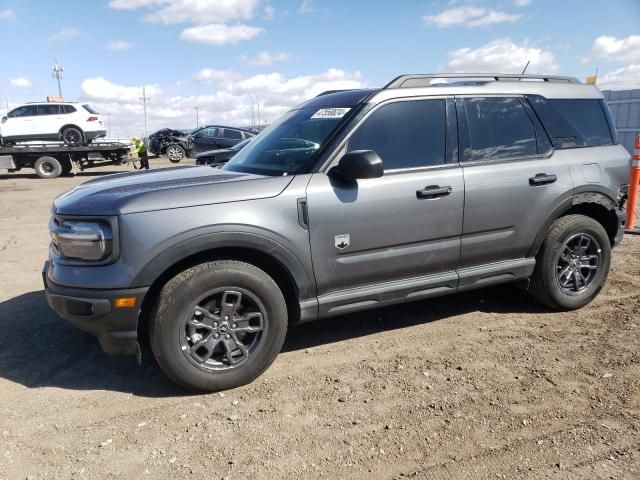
198, 135
4, 119
359, 164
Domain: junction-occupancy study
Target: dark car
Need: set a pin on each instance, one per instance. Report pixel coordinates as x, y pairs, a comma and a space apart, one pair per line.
220, 156
215, 137
170, 142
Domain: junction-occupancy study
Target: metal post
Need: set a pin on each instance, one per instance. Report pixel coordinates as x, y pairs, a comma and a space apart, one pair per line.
145, 99
58, 74
197, 119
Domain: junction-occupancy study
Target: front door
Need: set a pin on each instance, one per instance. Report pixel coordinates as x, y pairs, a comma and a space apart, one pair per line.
205, 140
377, 241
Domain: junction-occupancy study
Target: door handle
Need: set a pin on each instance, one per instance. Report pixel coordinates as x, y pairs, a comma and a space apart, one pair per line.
542, 179
433, 191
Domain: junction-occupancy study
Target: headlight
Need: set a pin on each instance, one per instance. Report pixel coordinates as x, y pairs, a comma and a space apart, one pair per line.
82, 240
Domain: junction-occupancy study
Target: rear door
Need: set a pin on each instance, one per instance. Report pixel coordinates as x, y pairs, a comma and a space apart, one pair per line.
512, 179
230, 137
387, 238
47, 122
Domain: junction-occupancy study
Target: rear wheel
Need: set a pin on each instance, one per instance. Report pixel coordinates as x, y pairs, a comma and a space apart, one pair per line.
72, 136
175, 153
572, 264
48, 167
218, 325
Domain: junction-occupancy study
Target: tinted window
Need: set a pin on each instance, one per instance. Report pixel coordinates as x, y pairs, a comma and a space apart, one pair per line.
404, 134
48, 109
210, 132
232, 134
574, 123
25, 111
68, 108
89, 109
498, 128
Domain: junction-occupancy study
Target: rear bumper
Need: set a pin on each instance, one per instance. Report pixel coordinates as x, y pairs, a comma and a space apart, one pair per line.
93, 135
94, 312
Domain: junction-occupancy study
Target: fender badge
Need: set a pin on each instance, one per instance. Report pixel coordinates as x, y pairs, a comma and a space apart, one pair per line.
342, 241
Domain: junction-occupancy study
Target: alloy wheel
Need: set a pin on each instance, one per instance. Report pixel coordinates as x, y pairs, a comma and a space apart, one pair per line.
223, 330
578, 263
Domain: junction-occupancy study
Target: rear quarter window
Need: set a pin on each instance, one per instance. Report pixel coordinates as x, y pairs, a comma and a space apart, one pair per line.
574, 123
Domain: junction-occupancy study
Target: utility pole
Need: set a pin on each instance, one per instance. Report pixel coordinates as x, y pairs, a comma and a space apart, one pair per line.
145, 99
257, 106
108, 124
197, 119
58, 73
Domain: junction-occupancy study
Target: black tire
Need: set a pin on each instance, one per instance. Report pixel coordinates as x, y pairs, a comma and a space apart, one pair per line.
48, 167
175, 153
204, 288
72, 136
557, 263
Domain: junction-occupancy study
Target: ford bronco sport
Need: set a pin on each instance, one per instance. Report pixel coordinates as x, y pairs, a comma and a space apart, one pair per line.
353, 200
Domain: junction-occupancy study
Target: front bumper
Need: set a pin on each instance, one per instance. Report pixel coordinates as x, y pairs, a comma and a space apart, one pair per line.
94, 312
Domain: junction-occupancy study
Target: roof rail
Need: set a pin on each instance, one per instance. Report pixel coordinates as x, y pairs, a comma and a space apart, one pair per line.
328, 92
424, 80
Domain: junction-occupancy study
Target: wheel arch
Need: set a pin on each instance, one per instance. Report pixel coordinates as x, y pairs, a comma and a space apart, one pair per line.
593, 202
266, 254
71, 125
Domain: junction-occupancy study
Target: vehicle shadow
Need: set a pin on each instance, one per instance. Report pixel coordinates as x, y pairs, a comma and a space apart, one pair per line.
39, 349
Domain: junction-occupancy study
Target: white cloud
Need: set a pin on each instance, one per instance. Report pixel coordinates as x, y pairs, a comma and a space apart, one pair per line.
64, 35
118, 45
208, 76
191, 11
269, 12
614, 49
230, 104
522, 3
7, 14
306, 7
503, 56
98, 88
265, 58
623, 78
219, 34
469, 17
20, 82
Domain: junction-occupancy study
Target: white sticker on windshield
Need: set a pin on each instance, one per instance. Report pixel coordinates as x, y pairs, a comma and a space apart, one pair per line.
331, 113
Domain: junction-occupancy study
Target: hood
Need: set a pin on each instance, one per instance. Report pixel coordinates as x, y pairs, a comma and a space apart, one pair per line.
165, 188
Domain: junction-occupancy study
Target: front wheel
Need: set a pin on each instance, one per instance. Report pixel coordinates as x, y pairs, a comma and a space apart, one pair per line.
572, 264
218, 325
175, 153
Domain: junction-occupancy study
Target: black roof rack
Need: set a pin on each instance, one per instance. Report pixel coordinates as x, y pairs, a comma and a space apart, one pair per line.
424, 79
328, 92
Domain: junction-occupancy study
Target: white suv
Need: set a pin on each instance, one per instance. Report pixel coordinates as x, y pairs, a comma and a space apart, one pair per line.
73, 123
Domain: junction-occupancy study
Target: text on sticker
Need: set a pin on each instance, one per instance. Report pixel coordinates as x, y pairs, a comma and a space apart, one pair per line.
331, 113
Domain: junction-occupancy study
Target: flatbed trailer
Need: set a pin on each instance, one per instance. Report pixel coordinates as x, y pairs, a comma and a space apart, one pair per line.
52, 159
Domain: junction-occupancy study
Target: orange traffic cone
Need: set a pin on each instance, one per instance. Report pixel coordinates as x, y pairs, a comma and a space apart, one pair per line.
634, 182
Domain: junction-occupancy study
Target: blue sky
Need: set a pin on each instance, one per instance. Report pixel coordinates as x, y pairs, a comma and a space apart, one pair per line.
224, 55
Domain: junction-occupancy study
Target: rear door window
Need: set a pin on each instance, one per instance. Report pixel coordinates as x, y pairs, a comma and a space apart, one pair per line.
499, 128
406, 134
68, 108
232, 134
48, 109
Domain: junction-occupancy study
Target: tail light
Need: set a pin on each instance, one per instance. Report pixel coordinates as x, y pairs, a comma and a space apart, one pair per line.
92, 119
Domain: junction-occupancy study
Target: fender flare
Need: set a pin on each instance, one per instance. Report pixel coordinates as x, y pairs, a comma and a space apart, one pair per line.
588, 194
212, 241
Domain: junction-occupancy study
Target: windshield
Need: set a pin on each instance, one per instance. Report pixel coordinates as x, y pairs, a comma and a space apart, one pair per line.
289, 145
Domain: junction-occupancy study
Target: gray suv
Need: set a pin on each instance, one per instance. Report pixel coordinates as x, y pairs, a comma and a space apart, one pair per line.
434, 184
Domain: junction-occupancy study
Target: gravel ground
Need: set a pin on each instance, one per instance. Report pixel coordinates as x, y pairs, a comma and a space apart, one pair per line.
479, 385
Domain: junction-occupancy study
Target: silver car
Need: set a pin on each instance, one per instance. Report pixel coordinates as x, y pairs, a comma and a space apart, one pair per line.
353, 200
